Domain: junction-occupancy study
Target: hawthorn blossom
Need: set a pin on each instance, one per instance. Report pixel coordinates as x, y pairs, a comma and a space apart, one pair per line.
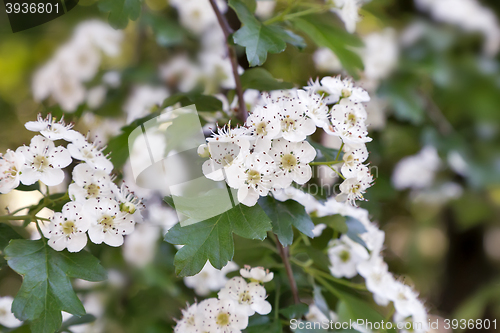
295, 125
43, 161
252, 176
90, 153
51, 129
348, 12
344, 255
68, 228
405, 299
256, 274
377, 277
189, 323
337, 89
217, 316
129, 202
353, 159
417, 171
89, 183
314, 107
10, 170
352, 189
250, 297
108, 223
209, 278
292, 159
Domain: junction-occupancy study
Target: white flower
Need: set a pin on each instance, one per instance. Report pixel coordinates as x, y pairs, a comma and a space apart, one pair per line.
51, 129
348, 13
344, 255
353, 159
265, 9
222, 155
380, 54
326, 61
337, 88
108, 223
292, 159
68, 92
418, 318
221, 316
264, 122
405, 299
196, 15
416, 171
7, 318
89, 183
314, 107
250, 297
348, 121
43, 161
315, 315
190, 322
253, 177
258, 274
96, 96
79, 59
90, 153
101, 35
129, 202
142, 100
67, 229
11, 165
209, 278
377, 277
295, 126
352, 189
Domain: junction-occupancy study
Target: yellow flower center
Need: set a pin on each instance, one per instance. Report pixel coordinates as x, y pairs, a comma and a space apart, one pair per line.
222, 319
288, 124
40, 162
245, 297
261, 128
288, 162
92, 190
344, 256
106, 222
68, 227
253, 177
346, 93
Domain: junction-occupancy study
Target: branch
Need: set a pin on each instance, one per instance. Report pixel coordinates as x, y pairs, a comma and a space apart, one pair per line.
226, 29
283, 251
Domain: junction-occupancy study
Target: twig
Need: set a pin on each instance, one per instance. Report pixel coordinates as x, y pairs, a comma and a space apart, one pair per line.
226, 29
283, 251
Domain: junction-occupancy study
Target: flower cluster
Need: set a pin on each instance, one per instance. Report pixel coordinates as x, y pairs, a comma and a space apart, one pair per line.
363, 256
241, 297
97, 205
270, 151
76, 63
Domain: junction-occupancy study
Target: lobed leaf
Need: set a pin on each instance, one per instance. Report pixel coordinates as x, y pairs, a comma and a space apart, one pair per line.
261, 79
284, 215
46, 288
212, 239
120, 11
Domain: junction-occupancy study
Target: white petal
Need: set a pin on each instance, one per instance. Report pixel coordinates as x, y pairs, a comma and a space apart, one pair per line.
52, 177
29, 176
247, 196
77, 242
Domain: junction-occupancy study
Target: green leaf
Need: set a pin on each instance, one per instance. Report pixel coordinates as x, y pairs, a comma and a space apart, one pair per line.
257, 38
32, 187
75, 320
120, 11
321, 30
284, 215
46, 288
202, 102
261, 79
354, 229
295, 311
6, 234
212, 239
167, 32
336, 222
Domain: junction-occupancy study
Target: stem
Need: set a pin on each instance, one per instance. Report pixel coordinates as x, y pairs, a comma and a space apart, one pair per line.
15, 217
285, 17
340, 149
283, 251
338, 173
226, 29
346, 283
325, 163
